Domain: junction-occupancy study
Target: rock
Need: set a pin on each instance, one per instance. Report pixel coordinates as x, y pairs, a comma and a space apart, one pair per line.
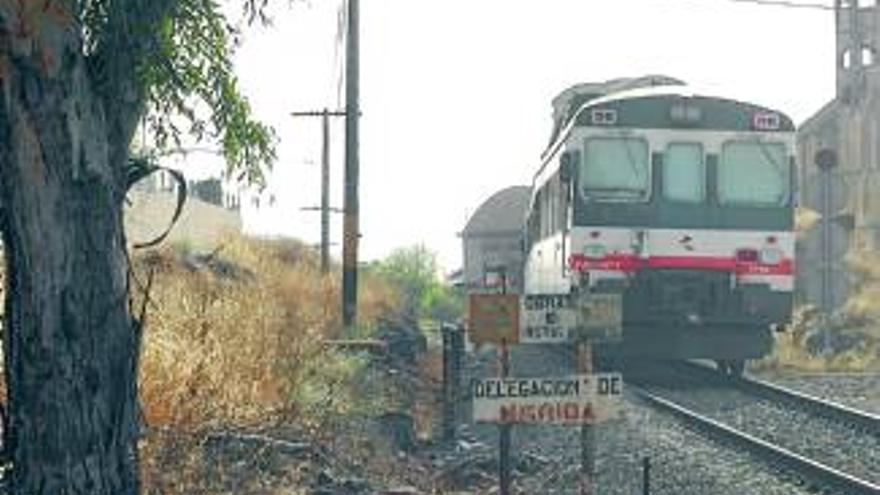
325, 478
404, 340
465, 446
219, 267
403, 490
399, 428
837, 341
355, 486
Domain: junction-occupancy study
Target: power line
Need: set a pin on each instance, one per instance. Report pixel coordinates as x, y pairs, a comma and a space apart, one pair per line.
787, 4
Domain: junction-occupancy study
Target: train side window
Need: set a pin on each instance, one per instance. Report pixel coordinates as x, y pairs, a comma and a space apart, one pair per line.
545, 211
684, 173
561, 204
534, 221
551, 208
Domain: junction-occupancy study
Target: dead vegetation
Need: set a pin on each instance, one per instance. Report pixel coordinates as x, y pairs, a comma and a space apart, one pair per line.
235, 344
848, 340
242, 390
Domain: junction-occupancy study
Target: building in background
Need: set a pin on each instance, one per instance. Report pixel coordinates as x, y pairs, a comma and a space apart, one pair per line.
492, 241
849, 125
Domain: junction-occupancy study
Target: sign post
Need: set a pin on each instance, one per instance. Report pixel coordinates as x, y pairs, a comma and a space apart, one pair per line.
581, 400
505, 430
495, 318
588, 439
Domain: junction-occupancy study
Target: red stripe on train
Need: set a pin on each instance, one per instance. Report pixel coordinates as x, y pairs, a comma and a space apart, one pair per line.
631, 263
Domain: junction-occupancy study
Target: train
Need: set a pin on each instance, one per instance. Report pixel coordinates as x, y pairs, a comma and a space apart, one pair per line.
681, 203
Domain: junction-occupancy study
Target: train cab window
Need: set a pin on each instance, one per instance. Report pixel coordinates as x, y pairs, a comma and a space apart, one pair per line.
684, 173
534, 220
754, 173
615, 169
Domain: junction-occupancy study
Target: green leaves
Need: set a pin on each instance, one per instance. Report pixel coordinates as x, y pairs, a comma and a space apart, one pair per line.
183, 64
190, 80
414, 272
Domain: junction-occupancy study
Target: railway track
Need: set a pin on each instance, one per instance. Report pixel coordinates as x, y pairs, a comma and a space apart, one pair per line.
868, 422
830, 452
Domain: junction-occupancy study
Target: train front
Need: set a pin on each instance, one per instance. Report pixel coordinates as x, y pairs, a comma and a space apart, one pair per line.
684, 204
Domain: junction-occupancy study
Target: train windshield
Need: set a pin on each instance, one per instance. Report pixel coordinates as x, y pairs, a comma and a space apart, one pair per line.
753, 174
615, 169
684, 176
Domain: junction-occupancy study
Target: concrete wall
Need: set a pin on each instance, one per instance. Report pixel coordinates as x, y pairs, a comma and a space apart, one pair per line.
201, 225
850, 125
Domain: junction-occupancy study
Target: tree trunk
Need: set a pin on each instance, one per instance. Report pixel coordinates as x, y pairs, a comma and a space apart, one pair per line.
71, 344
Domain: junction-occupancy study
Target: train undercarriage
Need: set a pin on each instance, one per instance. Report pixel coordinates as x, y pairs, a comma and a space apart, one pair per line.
697, 314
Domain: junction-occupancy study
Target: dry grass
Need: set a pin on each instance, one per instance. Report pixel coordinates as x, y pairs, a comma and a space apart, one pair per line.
859, 319
860, 315
791, 352
244, 352
805, 219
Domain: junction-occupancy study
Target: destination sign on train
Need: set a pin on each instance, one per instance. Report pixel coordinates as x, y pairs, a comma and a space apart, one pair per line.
567, 400
558, 318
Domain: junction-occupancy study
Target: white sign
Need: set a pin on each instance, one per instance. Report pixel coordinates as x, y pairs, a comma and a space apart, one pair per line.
567, 400
547, 319
559, 318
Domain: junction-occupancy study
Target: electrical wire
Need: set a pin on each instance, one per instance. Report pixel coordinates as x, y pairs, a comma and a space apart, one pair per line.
787, 4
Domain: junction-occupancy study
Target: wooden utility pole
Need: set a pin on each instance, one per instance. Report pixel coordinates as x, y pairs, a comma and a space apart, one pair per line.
325, 192
325, 208
351, 223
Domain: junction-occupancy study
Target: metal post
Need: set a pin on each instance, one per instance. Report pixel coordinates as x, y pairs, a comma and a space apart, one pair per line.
325, 193
827, 255
457, 368
646, 476
826, 161
505, 430
351, 206
450, 395
826, 234
588, 440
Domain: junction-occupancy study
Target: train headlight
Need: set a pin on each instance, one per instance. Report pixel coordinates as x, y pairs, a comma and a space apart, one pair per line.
770, 256
594, 251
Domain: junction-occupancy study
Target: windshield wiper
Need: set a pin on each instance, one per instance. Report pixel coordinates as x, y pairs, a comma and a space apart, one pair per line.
618, 189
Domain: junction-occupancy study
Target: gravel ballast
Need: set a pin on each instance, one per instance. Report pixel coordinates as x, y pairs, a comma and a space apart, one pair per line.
683, 461
858, 390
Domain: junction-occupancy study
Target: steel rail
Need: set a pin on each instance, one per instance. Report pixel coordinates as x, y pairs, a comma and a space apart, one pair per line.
816, 471
832, 410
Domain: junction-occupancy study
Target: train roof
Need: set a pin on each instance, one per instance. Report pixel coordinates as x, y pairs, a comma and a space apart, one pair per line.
648, 105
734, 108
643, 109
567, 103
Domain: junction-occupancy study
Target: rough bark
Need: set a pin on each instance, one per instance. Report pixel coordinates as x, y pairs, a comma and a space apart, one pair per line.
71, 344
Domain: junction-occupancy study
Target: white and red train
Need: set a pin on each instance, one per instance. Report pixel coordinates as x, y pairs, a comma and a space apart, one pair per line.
682, 203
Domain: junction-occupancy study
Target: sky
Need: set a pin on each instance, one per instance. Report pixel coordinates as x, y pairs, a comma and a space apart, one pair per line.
455, 94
